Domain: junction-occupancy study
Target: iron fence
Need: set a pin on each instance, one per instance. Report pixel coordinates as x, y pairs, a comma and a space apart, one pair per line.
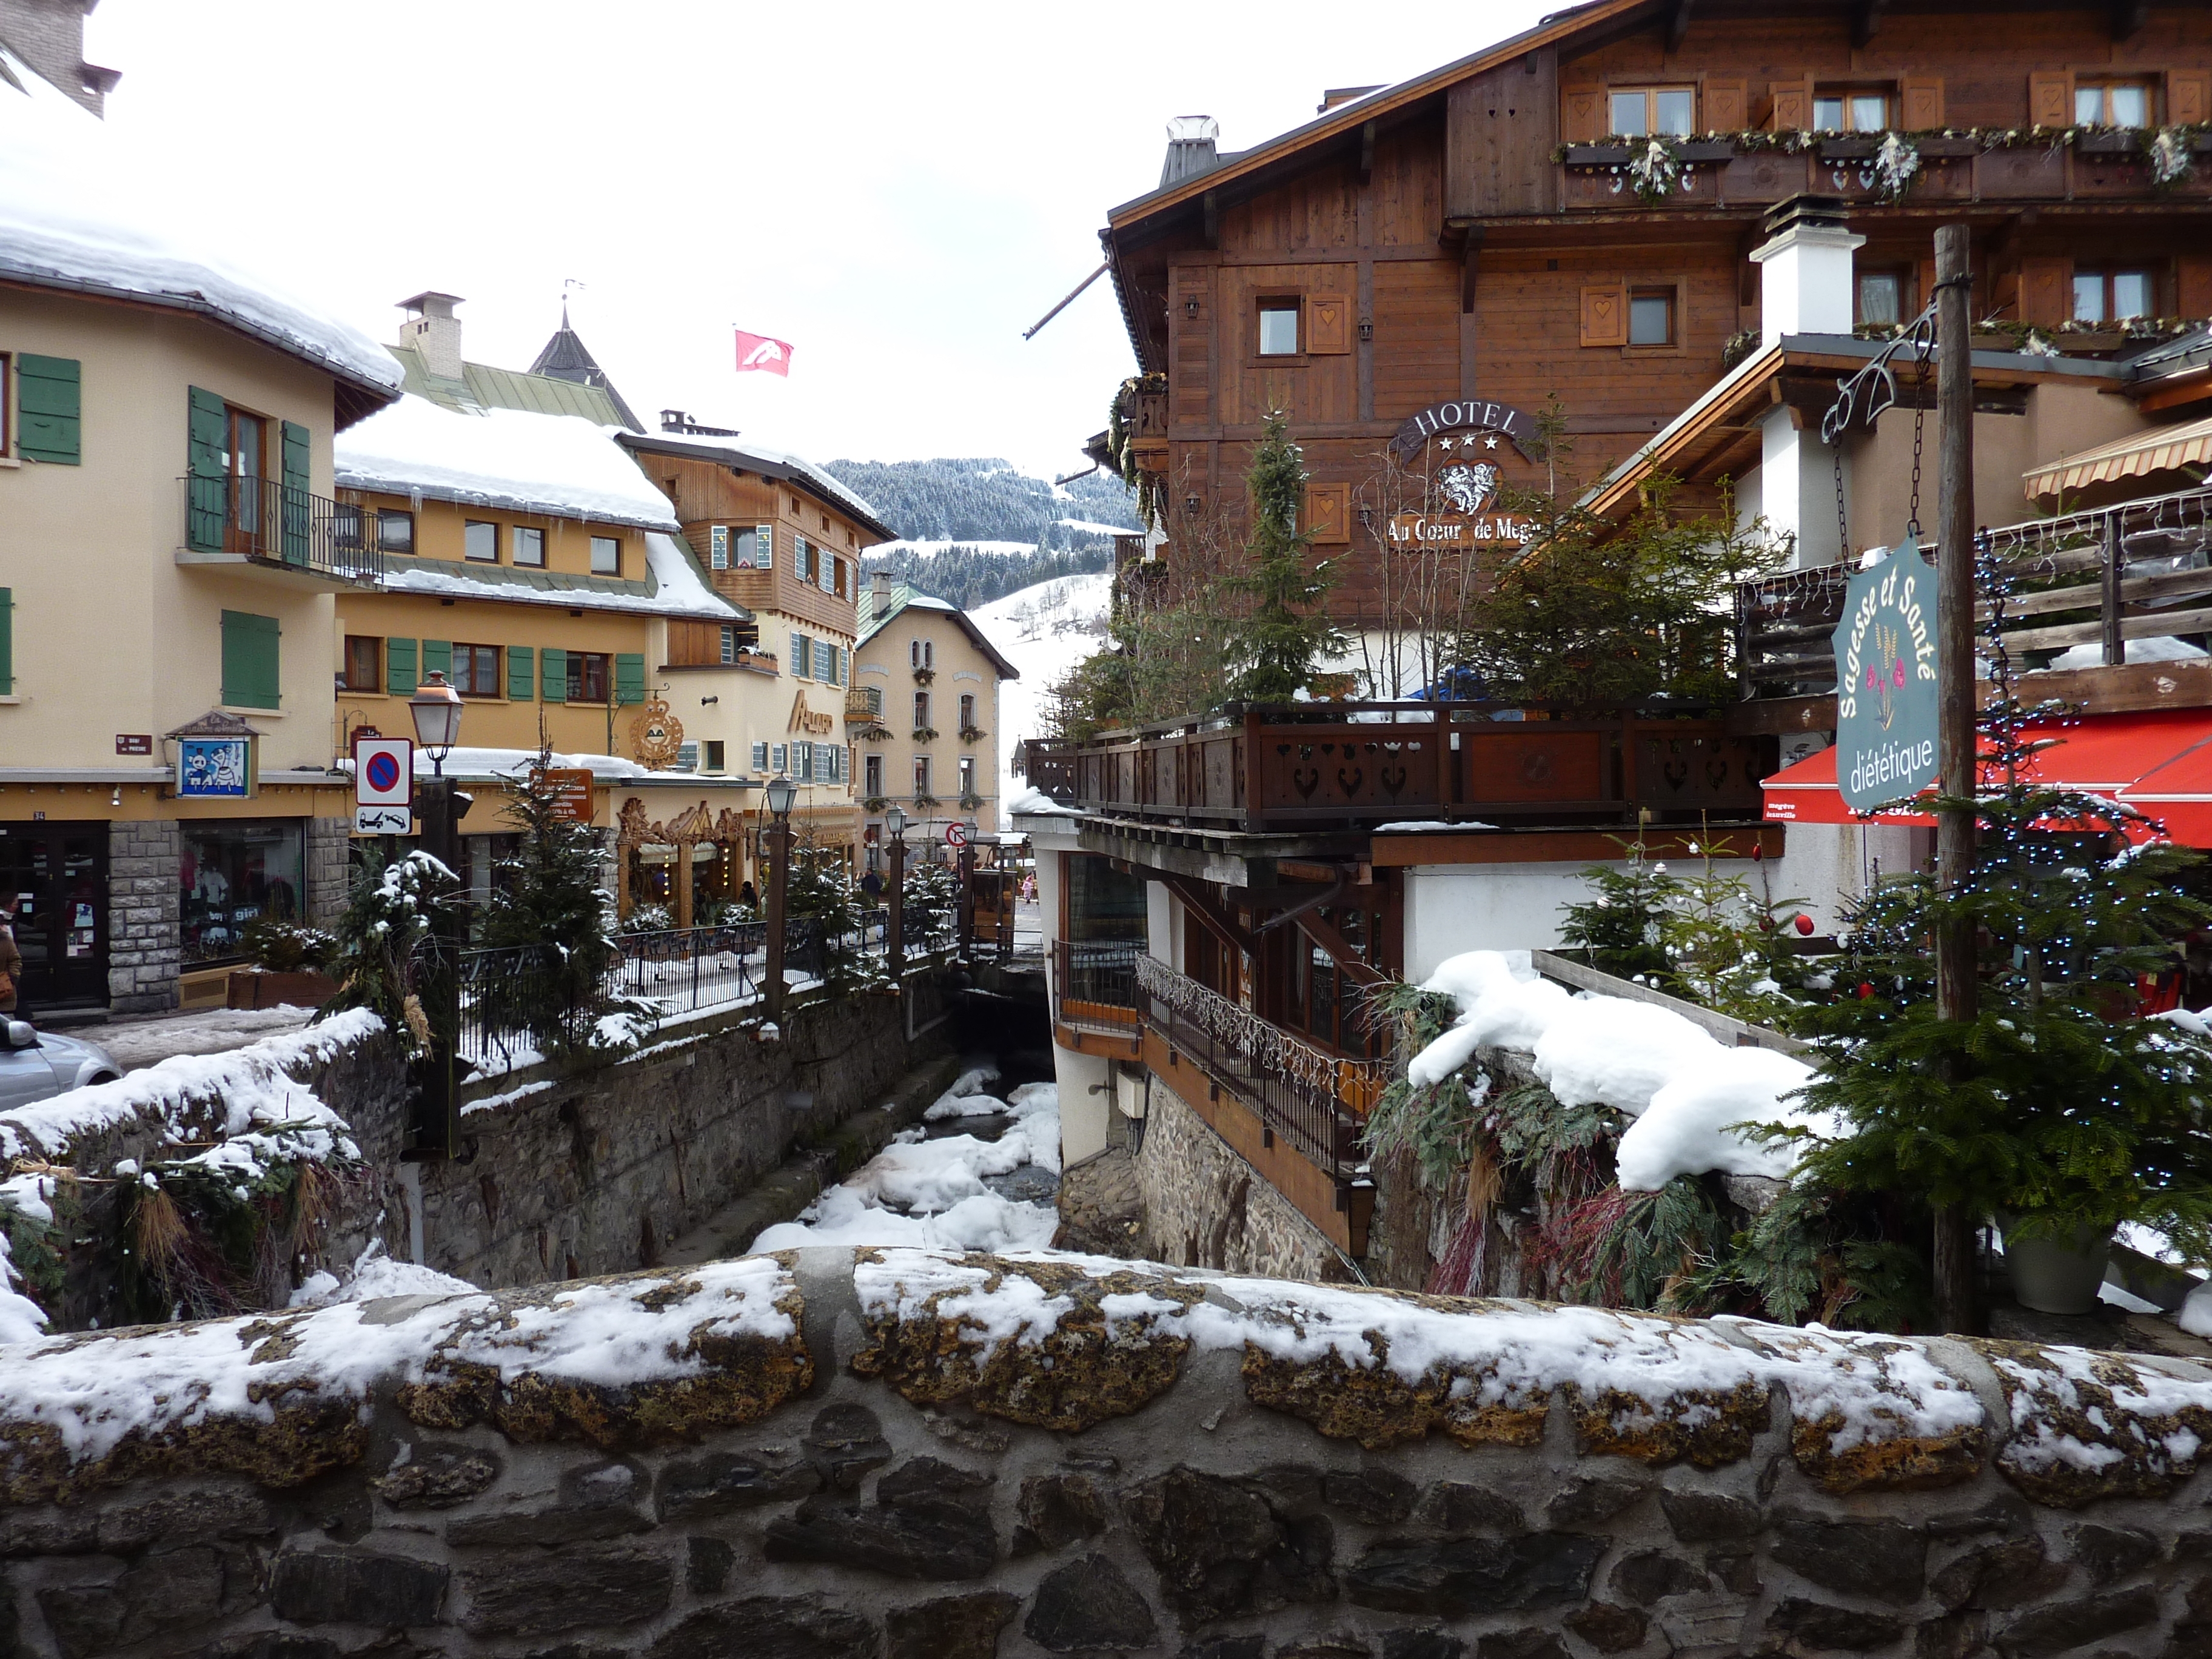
271, 523
1297, 1091
1094, 983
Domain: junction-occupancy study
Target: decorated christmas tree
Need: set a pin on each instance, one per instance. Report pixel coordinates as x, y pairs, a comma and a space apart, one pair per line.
1285, 636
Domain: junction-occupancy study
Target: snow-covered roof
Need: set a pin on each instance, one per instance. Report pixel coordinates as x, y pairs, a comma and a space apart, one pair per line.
674, 586
770, 463
78, 211
503, 458
903, 598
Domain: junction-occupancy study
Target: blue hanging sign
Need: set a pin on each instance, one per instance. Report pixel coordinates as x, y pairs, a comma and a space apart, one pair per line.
1886, 681
216, 767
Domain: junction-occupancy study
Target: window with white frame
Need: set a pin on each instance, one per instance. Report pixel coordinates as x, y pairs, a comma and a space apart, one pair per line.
802, 656
920, 710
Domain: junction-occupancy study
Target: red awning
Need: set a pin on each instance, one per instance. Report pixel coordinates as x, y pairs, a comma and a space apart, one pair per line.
2118, 756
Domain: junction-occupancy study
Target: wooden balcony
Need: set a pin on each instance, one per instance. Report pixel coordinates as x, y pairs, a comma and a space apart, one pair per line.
1350, 766
2135, 571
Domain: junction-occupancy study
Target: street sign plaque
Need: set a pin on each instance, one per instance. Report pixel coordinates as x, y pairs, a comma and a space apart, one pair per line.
1885, 686
572, 787
383, 821
384, 772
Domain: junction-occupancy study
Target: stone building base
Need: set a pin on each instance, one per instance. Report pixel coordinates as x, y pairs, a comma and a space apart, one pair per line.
144, 948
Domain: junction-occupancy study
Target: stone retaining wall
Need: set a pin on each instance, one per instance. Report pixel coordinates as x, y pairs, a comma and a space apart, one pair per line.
901, 1454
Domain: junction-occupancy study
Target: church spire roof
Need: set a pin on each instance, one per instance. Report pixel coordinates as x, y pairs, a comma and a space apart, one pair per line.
566, 358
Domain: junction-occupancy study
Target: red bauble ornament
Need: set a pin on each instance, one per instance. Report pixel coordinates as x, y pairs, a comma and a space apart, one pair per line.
1866, 991
1805, 924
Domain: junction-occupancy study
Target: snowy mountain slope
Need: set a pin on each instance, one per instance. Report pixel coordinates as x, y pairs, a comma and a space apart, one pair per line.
946, 499
1044, 630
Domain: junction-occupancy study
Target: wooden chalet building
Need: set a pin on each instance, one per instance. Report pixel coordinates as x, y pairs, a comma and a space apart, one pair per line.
1678, 220
1431, 261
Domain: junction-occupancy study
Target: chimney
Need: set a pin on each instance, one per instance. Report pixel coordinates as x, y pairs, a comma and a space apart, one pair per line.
433, 330
879, 584
1193, 149
1332, 96
1805, 269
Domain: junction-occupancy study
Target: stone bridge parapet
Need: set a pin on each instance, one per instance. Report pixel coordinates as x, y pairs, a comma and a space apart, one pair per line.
903, 1453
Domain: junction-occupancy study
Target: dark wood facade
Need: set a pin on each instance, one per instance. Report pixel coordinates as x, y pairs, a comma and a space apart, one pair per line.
1466, 234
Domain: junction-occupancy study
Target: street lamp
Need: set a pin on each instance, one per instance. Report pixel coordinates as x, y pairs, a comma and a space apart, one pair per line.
895, 933
781, 793
967, 890
436, 711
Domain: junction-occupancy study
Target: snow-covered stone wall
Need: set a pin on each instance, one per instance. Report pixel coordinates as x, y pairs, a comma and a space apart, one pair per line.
909, 1453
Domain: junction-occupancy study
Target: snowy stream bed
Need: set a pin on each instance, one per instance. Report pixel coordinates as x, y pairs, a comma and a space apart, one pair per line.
980, 1172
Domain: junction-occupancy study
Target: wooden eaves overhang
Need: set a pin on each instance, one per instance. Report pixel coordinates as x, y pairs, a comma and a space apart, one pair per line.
1719, 436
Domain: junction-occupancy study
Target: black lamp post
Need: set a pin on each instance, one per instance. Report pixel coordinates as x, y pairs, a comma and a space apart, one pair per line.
895, 933
968, 891
781, 793
436, 711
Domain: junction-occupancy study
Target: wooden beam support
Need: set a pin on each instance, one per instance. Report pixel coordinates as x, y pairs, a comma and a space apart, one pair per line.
1866, 22
1467, 269
1360, 972
1677, 23
1210, 914
1366, 152
2128, 17
1209, 205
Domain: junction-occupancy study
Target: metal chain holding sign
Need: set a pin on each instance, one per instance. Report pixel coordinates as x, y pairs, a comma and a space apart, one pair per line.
1876, 387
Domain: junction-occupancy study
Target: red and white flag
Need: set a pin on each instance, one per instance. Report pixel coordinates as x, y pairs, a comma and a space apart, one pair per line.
757, 351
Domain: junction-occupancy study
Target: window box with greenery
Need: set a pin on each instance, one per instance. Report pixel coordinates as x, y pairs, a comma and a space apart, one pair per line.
925, 734
925, 803
874, 803
971, 802
971, 734
924, 676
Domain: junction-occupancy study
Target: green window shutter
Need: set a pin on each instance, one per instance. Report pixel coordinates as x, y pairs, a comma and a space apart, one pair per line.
629, 676
521, 672
206, 499
49, 401
296, 480
399, 667
553, 674
250, 677
7, 642
438, 658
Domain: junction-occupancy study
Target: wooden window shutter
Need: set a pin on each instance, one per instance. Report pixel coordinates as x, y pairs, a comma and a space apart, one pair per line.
553, 674
2193, 275
1328, 325
1728, 105
1605, 315
1581, 115
2188, 100
521, 673
1920, 102
629, 676
251, 678
297, 456
7, 642
2046, 291
204, 441
1792, 105
48, 400
1328, 513
438, 658
2050, 100
399, 667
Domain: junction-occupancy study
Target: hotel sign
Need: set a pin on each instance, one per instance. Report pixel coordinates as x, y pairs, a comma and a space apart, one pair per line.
1444, 532
1494, 421
1885, 682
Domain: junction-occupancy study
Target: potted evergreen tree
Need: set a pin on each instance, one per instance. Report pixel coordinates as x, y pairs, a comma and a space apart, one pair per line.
1285, 636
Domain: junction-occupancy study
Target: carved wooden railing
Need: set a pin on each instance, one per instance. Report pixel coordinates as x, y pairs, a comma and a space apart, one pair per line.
1346, 766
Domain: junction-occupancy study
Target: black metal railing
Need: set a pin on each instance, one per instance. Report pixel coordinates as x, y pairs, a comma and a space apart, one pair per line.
1314, 1100
1094, 984
273, 524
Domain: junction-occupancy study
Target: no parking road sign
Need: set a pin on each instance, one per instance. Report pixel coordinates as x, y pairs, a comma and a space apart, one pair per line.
383, 785
955, 835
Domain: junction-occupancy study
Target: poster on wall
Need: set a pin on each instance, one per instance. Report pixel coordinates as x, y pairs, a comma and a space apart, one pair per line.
215, 768
1886, 681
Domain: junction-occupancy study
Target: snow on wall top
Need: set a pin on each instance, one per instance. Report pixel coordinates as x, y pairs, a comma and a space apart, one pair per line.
503, 458
677, 590
77, 211
1067, 1343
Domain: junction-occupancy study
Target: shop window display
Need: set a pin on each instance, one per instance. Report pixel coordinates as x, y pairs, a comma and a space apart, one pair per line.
233, 875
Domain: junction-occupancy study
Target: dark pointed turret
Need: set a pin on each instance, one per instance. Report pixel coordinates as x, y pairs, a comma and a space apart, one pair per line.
566, 358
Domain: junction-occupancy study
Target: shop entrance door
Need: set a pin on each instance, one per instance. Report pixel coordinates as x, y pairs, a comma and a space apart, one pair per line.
59, 873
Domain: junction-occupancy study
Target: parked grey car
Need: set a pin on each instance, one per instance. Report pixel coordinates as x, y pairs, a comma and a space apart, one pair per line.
35, 1065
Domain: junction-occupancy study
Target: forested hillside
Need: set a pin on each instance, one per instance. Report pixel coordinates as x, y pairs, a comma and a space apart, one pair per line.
971, 576
985, 501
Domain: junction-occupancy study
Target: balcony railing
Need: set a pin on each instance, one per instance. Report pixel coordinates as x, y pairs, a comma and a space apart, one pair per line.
1308, 767
1314, 1100
267, 523
2099, 578
1094, 985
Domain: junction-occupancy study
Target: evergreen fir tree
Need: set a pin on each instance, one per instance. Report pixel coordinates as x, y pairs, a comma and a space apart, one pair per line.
823, 896
1277, 646
931, 908
388, 955
1621, 929
2052, 1104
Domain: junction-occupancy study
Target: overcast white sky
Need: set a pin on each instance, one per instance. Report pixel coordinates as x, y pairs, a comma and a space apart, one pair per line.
897, 190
